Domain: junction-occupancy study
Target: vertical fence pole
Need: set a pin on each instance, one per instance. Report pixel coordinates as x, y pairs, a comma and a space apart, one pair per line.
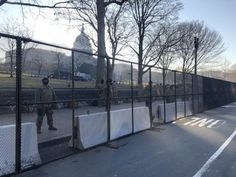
150, 94
184, 83
164, 93
197, 93
193, 112
108, 104
18, 105
132, 96
175, 95
74, 127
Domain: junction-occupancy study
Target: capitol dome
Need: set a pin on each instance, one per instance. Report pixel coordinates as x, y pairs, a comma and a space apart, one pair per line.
82, 42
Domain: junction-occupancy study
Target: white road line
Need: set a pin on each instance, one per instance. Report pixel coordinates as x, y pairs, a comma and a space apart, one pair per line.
214, 156
214, 124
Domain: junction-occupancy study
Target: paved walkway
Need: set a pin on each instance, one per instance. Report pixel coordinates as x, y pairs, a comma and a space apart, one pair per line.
203, 145
62, 119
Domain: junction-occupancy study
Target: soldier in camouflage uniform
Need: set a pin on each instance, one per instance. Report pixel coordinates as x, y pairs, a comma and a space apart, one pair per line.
45, 94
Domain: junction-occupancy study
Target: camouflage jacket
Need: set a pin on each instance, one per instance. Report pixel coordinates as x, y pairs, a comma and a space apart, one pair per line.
45, 94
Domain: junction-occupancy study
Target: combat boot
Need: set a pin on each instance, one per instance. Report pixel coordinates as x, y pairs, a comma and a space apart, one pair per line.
52, 128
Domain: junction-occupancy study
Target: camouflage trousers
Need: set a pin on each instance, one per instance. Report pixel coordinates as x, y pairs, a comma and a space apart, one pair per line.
41, 113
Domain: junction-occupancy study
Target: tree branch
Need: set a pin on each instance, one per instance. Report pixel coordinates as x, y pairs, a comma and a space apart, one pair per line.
115, 2
55, 6
2, 2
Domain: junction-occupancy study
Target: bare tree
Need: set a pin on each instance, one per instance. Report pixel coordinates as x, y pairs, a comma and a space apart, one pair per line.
119, 31
38, 61
167, 58
93, 12
84, 7
148, 16
210, 45
163, 52
12, 26
59, 57
226, 68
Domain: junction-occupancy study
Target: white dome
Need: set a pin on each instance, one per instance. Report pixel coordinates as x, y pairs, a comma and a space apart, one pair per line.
82, 42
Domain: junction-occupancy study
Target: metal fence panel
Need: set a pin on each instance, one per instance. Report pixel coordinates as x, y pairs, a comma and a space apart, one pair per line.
7, 106
72, 74
157, 95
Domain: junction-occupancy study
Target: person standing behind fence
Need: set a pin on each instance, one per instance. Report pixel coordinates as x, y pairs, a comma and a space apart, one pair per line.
170, 93
101, 93
147, 95
45, 94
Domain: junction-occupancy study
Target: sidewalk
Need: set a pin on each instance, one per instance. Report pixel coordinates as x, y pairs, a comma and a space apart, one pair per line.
179, 149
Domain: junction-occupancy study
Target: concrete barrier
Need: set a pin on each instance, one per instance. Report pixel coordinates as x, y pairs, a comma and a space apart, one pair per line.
141, 119
121, 123
189, 109
158, 110
170, 111
29, 146
91, 130
180, 109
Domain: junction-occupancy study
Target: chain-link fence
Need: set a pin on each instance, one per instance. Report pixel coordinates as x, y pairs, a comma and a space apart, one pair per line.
32, 117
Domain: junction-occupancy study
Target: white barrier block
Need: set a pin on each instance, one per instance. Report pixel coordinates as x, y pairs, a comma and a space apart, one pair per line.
141, 119
180, 109
121, 123
188, 108
170, 112
92, 130
29, 147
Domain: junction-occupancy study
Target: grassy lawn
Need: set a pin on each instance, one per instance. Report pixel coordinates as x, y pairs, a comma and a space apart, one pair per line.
30, 82
35, 82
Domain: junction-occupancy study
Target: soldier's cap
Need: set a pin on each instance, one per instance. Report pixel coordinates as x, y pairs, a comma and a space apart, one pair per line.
45, 79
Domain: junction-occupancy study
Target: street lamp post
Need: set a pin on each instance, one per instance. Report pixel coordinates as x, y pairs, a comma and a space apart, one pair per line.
196, 44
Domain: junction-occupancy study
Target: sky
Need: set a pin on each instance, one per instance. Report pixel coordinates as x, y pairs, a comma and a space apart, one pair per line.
217, 14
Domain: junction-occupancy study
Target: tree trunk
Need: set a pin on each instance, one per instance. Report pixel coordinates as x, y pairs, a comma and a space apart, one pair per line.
113, 64
11, 66
140, 62
12, 63
101, 42
140, 73
58, 69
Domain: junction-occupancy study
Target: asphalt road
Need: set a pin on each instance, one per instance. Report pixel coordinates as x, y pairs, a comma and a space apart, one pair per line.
202, 145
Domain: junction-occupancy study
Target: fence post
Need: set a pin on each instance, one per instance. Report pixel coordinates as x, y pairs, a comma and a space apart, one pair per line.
108, 104
197, 94
184, 82
74, 127
18, 105
132, 96
150, 94
164, 92
193, 96
175, 95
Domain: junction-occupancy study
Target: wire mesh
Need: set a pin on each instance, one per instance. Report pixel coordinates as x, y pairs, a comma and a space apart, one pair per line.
170, 98
188, 95
7, 105
73, 77
48, 106
180, 94
157, 96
